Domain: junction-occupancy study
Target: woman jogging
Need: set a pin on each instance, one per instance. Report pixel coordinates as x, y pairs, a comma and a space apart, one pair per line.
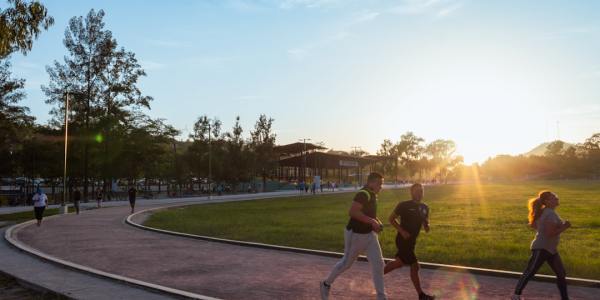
40, 201
549, 226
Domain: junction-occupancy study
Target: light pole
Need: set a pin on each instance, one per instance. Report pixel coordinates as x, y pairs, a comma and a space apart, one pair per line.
63, 208
209, 162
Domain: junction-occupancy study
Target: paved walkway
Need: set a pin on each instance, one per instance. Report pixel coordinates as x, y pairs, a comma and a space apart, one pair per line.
144, 202
100, 239
46, 276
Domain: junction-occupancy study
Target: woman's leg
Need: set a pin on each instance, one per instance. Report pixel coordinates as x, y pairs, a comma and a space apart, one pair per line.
538, 257
557, 266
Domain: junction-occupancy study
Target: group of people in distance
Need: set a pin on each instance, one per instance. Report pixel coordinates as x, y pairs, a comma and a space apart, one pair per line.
40, 202
408, 217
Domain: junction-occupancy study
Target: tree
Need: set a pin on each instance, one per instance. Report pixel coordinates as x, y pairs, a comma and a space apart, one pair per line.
20, 24
441, 155
15, 123
410, 150
262, 144
105, 80
236, 168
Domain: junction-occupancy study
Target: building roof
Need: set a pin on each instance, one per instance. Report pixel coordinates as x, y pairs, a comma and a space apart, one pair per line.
296, 148
326, 160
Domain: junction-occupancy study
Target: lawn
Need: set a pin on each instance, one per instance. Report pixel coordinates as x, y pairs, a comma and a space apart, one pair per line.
28, 215
471, 225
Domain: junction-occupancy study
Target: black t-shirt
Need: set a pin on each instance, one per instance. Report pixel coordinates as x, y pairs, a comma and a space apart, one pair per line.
412, 215
369, 208
76, 195
132, 192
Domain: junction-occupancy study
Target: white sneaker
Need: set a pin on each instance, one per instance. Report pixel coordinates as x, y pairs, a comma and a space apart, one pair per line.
324, 290
516, 297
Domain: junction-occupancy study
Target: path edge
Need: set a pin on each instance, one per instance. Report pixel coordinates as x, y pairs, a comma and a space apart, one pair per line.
10, 237
445, 267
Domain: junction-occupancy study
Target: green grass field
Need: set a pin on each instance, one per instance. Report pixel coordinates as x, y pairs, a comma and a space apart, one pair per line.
28, 215
471, 225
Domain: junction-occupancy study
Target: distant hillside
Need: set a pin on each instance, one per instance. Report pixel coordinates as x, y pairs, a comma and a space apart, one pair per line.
540, 150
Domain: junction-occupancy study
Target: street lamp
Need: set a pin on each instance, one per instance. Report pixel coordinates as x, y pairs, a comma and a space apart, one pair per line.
63, 208
209, 162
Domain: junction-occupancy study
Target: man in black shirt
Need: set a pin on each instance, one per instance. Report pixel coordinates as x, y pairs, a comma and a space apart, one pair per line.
361, 236
413, 215
132, 194
76, 199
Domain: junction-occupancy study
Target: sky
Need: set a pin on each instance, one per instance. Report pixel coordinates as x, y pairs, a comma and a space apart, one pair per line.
496, 77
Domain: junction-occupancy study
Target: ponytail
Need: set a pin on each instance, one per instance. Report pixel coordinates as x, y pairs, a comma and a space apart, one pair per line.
536, 207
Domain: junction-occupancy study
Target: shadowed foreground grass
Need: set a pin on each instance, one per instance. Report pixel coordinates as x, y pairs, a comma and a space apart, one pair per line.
472, 225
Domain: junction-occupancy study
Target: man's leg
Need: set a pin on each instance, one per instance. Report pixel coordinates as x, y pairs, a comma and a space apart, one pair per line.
392, 265
377, 265
557, 266
354, 243
414, 276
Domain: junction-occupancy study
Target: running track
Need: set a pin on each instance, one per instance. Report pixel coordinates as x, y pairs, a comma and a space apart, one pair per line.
100, 239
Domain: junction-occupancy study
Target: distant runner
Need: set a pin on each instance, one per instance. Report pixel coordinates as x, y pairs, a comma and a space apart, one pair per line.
132, 193
360, 236
413, 215
549, 226
76, 199
40, 202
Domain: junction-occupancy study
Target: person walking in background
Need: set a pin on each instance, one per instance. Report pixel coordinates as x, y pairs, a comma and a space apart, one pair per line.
99, 197
40, 202
548, 225
132, 194
413, 215
361, 236
76, 199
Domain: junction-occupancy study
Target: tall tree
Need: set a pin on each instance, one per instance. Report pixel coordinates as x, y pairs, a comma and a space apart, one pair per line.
263, 143
15, 123
20, 24
410, 150
104, 80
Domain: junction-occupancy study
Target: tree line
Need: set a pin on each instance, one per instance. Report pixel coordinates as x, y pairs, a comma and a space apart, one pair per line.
413, 159
560, 161
110, 135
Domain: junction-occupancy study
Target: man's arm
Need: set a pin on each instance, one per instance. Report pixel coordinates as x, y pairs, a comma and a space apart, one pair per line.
394, 222
356, 213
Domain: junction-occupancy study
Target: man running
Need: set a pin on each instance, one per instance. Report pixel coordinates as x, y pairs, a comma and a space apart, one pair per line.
76, 199
360, 236
413, 215
132, 194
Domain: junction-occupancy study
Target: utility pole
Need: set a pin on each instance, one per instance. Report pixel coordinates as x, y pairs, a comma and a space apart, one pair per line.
357, 152
63, 208
304, 160
209, 162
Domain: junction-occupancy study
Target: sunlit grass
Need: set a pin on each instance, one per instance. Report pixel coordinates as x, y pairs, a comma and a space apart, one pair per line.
478, 225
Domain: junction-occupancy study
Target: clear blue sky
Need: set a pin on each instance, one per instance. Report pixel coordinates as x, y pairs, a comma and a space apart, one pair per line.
494, 76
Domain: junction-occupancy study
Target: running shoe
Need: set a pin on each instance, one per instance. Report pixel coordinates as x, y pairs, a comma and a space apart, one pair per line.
423, 296
325, 290
516, 297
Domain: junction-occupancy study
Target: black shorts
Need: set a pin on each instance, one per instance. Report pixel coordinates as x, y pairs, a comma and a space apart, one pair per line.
132, 201
39, 212
406, 250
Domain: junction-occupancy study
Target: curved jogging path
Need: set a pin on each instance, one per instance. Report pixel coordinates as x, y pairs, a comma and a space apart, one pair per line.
100, 239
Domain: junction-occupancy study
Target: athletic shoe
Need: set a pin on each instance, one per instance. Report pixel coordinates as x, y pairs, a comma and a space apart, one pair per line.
423, 296
325, 290
516, 297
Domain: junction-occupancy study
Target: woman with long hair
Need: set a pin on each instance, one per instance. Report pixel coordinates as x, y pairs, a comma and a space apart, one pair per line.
549, 226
